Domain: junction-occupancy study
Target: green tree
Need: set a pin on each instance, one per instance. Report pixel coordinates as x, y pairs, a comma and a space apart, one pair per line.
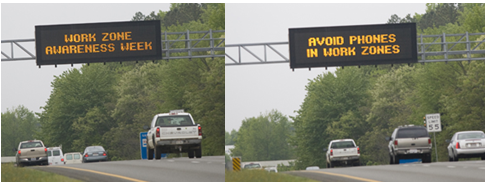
230, 137
18, 124
264, 138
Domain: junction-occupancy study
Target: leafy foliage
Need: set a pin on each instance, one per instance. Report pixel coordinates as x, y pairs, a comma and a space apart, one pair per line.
18, 124
264, 138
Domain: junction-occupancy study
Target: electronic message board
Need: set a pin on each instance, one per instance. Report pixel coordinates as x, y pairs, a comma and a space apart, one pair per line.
353, 45
98, 42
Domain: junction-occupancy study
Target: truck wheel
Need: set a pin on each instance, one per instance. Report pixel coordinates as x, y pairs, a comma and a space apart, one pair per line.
391, 160
197, 152
157, 151
191, 153
396, 159
150, 154
331, 164
357, 163
426, 158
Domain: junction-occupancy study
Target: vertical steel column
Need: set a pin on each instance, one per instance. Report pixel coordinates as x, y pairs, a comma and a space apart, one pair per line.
188, 43
423, 57
468, 46
211, 43
265, 53
444, 47
239, 55
167, 45
12, 49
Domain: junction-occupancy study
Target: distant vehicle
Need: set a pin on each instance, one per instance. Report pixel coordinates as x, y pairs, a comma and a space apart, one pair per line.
94, 154
253, 165
31, 152
271, 169
73, 158
312, 168
342, 152
173, 132
409, 142
466, 144
55, 156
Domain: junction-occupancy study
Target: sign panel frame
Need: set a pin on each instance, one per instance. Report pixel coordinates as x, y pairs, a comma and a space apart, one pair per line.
433, 122
98, 42
353, 45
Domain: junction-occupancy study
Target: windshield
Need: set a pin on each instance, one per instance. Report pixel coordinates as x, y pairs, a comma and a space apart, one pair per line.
95, 148
344, 144
464, 136
30, 145
182, 120
56, 153
250, 166
412, 133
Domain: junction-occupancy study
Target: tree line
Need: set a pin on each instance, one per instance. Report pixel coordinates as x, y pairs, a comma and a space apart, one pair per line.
109, 104
367, 103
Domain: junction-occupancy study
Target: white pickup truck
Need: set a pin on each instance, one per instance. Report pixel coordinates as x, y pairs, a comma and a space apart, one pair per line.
174, 132
342, 152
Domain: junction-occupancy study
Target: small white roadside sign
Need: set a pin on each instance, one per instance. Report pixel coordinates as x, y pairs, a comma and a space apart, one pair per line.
433, 122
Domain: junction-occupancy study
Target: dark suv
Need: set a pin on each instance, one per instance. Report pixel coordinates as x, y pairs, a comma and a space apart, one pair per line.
409, 142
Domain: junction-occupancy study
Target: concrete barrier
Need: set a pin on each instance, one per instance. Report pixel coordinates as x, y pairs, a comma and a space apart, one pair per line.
7, 159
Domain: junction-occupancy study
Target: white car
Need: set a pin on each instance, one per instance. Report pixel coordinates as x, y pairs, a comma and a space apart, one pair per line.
312, 168
253, 165
73, 158
55, 156
271, 169
466, 144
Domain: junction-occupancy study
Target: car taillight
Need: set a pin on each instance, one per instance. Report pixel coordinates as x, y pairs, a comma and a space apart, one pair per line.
62, 160
358, 150
86, 155
158, 133
199, 130
104, 154
331, 152
458, 145
45, 150
19, 152
429, 140
395, 142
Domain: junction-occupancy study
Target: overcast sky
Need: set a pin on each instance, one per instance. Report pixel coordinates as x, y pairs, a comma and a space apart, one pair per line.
254, 89
23, 83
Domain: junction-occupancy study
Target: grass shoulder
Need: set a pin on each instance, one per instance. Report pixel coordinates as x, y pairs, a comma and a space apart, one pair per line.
262, 176
12, 173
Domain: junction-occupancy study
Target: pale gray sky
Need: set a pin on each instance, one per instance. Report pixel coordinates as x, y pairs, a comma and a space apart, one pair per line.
23, 83
254, 89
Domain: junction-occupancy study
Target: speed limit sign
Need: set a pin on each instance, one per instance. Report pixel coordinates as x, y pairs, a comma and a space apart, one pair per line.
433, 122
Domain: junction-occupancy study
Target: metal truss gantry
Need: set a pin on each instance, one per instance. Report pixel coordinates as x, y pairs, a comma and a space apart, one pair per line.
175, 45
453, 47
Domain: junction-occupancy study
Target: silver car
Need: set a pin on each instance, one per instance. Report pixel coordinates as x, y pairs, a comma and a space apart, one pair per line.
466, 144
94, 153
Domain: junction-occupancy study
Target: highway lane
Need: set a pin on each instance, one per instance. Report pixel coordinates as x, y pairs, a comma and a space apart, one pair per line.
441, 171
205, 169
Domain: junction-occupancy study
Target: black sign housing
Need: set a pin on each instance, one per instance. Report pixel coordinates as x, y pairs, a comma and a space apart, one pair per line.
98, 42
353, 45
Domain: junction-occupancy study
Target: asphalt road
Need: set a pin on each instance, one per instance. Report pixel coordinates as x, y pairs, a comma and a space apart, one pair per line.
205, 169
462, 171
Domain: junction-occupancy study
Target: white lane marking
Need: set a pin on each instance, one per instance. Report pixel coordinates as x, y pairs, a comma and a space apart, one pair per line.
196, 162
426, 165
450, 166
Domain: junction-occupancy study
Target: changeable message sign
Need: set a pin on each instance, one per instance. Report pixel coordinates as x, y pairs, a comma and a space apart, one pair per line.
98, 42
353, 45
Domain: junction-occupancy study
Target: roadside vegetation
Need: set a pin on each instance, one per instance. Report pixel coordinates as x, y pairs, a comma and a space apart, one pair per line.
12, 173
262, 176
